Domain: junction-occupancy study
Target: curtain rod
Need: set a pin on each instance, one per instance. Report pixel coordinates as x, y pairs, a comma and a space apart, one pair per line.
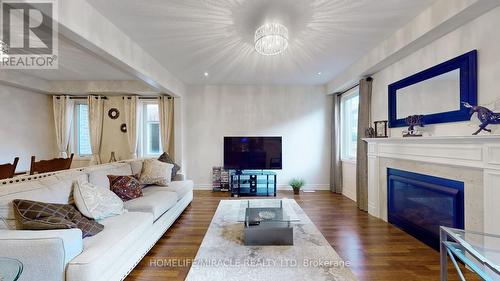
369, 78
105, 97
83, 97
147, 98
347, 90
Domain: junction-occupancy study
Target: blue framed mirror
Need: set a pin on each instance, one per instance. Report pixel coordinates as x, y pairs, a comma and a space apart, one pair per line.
437, 93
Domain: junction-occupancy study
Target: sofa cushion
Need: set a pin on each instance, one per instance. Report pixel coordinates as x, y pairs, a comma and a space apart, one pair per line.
154, 201
49, 190
96, 202
126, 187
98, 175
136, 166
156, 172
61, 188
100, 251
181, 188
33, 215
167, 159
71, 175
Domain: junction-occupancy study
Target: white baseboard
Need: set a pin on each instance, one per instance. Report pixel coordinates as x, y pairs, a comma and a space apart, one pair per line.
208, 186
349, 195
202, 186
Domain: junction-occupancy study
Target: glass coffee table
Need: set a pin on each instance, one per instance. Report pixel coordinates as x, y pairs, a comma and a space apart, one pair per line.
10, 269
480, 252
267, 222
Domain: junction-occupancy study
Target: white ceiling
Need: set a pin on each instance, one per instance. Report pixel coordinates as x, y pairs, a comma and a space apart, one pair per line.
76, 63
190, 37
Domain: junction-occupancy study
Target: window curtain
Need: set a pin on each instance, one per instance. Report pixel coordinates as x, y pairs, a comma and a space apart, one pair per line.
96, 117
365, 93
336, 163
63, 117
166, 110
132, 120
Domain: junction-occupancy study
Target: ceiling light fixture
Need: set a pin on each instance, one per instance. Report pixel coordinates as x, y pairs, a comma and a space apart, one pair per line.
271, 39
206, 74
319, 73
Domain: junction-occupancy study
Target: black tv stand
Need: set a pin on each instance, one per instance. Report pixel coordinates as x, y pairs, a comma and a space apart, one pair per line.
252, 183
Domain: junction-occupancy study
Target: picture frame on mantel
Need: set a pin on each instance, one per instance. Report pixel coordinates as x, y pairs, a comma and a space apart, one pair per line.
381, 129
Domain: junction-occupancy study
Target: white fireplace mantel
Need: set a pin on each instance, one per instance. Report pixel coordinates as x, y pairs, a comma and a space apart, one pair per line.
475, 152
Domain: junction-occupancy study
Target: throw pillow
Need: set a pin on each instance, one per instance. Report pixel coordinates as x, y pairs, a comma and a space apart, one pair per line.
33, 215
126, 187
96, 202
167, 159
156, 172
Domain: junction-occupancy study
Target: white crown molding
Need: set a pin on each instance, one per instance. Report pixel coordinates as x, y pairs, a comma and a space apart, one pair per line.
27, 82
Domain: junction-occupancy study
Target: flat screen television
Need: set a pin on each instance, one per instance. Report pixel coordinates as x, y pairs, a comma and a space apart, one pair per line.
252, 153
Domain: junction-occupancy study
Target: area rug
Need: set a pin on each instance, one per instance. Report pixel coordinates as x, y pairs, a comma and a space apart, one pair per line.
223, 256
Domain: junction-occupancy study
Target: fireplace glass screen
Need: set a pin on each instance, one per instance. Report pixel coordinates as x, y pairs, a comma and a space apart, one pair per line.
419, 204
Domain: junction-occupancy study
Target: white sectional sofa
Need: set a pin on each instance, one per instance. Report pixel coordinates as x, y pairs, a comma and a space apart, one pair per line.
53, 255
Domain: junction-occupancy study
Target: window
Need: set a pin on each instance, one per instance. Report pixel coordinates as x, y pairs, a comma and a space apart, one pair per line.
81, 145
349, 124
151, 144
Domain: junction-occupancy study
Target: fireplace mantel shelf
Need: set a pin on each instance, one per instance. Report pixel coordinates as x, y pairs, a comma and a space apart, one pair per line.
480, 152
436, 139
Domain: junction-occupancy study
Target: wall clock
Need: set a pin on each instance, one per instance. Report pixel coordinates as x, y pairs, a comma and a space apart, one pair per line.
113, 113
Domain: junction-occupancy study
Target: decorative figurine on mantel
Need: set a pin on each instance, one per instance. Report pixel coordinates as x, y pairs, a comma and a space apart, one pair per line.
412, 121
484, 115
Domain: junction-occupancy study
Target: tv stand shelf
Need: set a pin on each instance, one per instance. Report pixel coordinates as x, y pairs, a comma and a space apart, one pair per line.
252, 183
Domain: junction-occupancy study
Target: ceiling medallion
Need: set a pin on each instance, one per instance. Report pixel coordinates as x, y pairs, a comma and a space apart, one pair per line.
271, 39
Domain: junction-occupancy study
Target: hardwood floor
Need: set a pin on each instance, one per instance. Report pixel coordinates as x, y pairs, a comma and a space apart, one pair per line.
375, 249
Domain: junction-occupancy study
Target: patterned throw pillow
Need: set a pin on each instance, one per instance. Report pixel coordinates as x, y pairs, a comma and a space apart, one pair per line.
96, 202
126, 187
167, 159
33, 215
156, 172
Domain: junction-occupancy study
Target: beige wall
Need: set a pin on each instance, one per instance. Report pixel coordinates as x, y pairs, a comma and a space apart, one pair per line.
112, 138
26, 126
300, 114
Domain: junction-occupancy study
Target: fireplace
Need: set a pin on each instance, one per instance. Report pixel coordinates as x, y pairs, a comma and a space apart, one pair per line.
419, 204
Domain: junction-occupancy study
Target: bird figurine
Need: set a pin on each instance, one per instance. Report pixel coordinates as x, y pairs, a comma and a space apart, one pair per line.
485, 116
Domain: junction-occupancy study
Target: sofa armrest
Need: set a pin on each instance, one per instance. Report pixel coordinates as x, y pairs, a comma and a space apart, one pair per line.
179, 177
44, 253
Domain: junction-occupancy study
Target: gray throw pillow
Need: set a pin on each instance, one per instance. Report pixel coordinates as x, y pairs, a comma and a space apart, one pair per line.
34, 215
167, 159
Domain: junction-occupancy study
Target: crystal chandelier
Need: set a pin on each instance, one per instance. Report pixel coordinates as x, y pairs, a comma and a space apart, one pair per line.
271, 39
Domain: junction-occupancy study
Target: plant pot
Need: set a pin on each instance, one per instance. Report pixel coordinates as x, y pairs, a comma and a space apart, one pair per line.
296, 191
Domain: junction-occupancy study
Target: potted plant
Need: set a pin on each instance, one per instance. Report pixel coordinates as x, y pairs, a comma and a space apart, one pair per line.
296, 185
